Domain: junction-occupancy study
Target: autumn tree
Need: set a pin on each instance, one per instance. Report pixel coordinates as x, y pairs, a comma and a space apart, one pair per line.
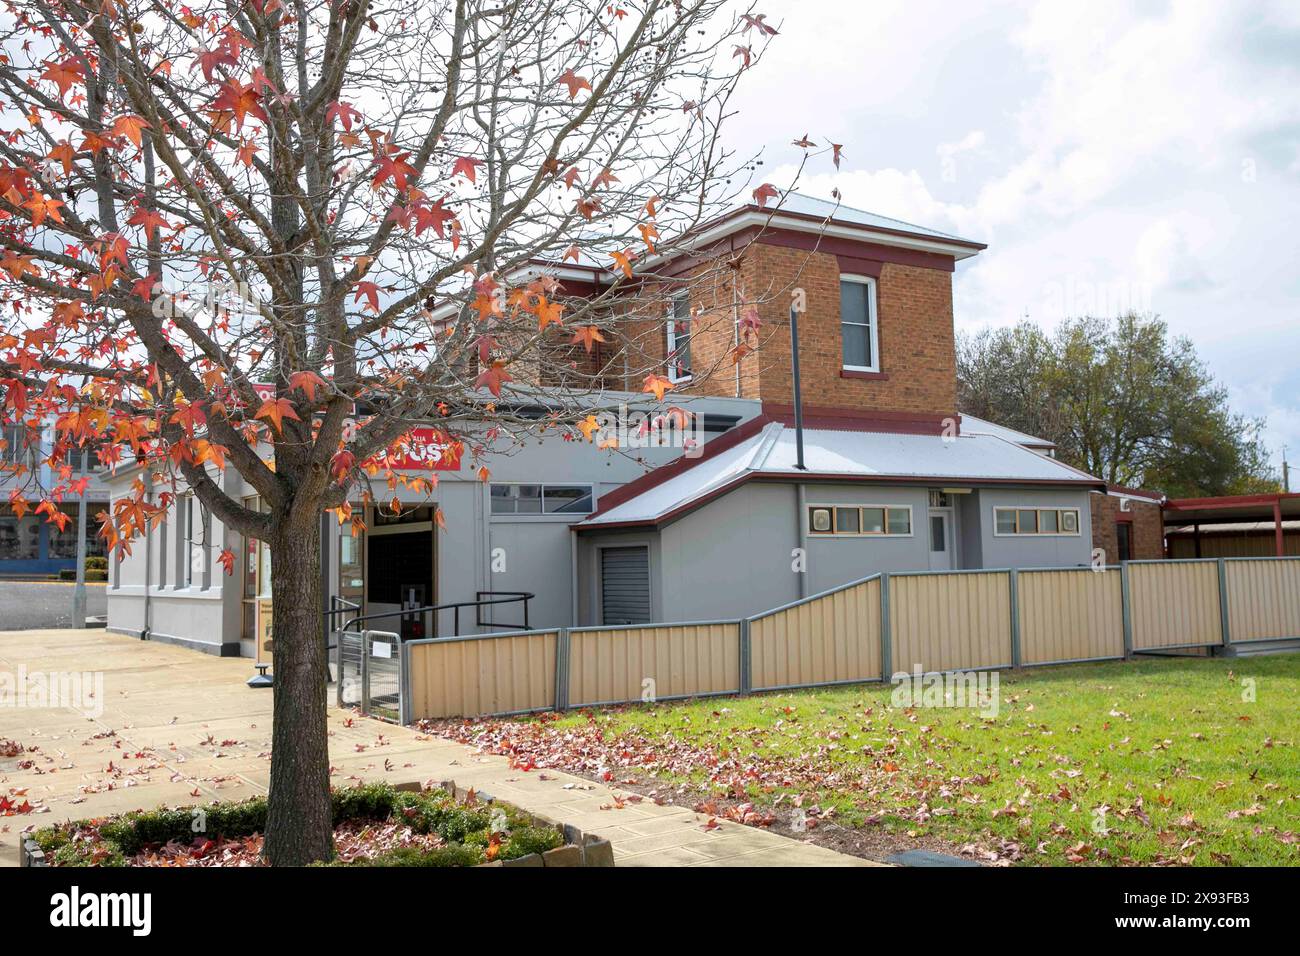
273, 235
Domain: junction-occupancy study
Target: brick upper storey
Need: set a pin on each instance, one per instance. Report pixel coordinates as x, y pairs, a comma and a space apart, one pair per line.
760, 260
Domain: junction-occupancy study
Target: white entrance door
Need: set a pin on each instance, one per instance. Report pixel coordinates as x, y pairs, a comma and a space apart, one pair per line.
941, 542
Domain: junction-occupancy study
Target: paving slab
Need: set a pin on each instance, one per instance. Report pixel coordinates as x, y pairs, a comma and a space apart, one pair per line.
180, 728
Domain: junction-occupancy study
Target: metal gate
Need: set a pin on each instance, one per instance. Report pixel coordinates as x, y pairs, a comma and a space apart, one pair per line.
369, 668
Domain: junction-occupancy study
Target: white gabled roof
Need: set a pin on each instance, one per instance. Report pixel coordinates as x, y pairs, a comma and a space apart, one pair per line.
802, 205
831, 454
970, 425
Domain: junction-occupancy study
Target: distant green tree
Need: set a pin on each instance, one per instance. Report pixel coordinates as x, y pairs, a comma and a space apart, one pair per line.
1122, 400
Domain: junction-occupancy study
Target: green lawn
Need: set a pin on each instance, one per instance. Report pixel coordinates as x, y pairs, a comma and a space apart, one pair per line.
1187, 768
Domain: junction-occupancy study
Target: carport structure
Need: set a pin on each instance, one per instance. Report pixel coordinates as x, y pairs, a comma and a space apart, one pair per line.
1265, 510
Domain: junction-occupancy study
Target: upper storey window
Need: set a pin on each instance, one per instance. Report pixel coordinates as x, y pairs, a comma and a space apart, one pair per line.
679, 338
858, 334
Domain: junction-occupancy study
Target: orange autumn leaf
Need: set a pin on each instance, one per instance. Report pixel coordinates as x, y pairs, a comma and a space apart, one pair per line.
275, 410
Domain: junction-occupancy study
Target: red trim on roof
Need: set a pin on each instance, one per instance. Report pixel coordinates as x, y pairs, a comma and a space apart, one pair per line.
1229, 501
861, 419
1134, 492
679, 465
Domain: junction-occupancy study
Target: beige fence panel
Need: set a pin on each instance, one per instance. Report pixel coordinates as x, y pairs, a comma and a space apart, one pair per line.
466, 677
1174, 604
1070, 615
1263, 598
950, 621
609, 665
833, 638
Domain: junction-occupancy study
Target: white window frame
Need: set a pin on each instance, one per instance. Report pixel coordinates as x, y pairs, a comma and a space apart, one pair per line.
911, 521
1078, 521
542, 515
674, 372
873, 324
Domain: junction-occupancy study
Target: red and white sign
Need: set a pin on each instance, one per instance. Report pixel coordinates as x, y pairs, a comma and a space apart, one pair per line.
426, 449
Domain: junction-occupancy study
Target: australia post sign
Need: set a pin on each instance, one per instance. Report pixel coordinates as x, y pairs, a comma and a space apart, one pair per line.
425, 448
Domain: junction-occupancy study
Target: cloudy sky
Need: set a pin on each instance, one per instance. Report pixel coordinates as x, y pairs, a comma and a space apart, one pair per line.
1112, 155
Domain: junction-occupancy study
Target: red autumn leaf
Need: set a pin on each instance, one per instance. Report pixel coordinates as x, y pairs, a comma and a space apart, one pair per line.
227, 560
574, 83
764, 193
493, 378
465, 166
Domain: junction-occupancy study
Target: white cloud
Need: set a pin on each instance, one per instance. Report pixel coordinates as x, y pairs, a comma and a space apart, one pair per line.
1100, 149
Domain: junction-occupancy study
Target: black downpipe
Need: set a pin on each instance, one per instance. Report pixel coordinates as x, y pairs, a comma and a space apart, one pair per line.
798, 394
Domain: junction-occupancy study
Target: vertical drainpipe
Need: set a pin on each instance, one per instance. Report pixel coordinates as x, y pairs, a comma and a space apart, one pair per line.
798, 395
735, 315
801, 495
801, 506
573, 578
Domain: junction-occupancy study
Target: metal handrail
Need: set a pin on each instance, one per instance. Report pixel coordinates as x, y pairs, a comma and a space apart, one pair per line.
510, 598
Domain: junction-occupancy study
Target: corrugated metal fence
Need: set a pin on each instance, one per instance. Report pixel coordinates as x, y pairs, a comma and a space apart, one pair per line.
867, 630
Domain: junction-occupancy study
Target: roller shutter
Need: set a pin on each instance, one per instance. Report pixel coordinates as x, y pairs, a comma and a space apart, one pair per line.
625, 585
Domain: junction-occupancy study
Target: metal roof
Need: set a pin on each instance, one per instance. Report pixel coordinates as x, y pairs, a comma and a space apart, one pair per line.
970, 425
800, 204
831, 455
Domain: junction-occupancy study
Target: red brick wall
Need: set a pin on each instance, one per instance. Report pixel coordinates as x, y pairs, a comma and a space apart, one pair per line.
1145, 517
914, 310
918, 376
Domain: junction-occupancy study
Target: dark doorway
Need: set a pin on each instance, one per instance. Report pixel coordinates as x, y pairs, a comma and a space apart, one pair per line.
1124, 537
400, 575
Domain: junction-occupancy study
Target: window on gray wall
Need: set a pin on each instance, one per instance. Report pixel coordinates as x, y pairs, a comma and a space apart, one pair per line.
524, 499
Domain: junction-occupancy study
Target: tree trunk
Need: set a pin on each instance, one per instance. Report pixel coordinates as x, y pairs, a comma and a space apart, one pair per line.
299, 824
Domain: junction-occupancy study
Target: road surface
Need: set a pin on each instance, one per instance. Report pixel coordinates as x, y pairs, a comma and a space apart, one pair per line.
37, 604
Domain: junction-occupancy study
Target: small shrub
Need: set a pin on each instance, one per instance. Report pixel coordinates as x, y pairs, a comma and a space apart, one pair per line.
531, 840
96, 564
453, 855
92, 574
371, 801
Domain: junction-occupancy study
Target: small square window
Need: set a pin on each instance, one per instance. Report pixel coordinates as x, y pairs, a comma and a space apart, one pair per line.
1049, 522
1070, 522
846, 521
900, 521
1006, 521
819, 519
1027, 521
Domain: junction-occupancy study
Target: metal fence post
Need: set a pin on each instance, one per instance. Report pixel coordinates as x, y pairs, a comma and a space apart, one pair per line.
886, 630
1223, 602
365, 673
1014, 575
1126, 593
404, 716
562, 669
746, 670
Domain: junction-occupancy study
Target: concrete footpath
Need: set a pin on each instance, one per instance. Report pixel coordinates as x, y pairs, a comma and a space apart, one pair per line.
178, 727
